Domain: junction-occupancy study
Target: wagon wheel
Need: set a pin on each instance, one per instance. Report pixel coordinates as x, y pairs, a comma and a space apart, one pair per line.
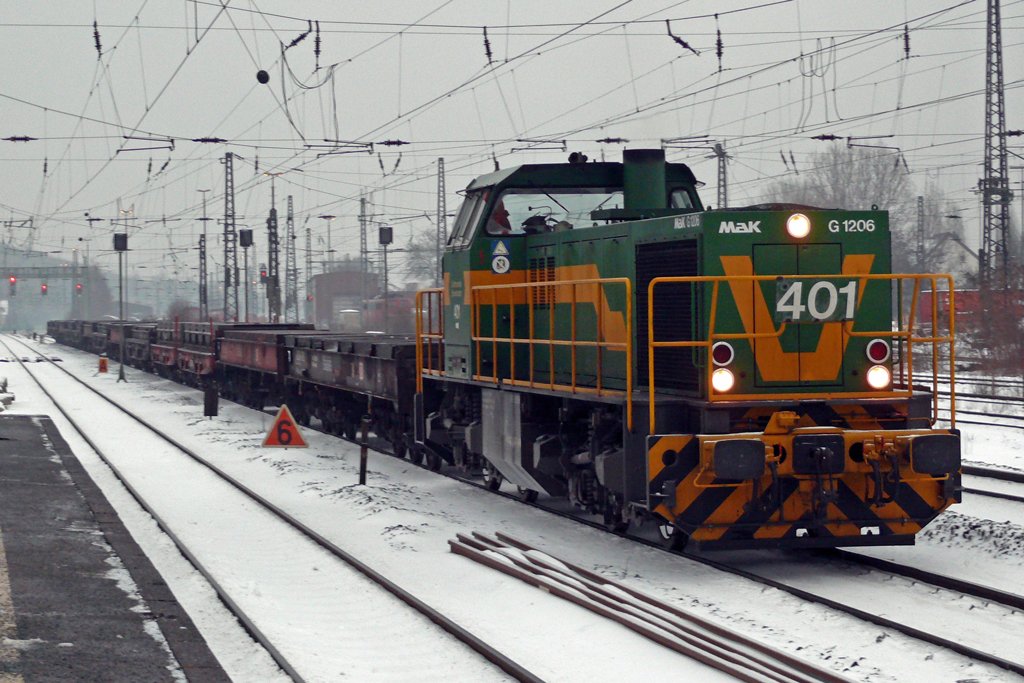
349, 428
527, 495
433, 461
399, 446
416, 454
492, 477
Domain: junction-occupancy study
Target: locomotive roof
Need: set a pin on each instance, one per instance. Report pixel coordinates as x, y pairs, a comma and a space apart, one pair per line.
597, 174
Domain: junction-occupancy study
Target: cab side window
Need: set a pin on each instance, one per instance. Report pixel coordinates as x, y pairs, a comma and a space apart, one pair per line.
681, 199
467, 219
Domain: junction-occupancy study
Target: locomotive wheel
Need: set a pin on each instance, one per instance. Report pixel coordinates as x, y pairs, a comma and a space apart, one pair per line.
613, 518
492, 477
527, 495
673, 538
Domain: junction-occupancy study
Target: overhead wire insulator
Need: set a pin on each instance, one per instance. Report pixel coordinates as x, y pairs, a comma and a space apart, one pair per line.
826, 136
20, 138
393, 143
487, 48
301, 37
680, 41
316, 45
46, 166
784, 162
96, 37
612, 141
792, 159
718, 43
208, 140
906, 41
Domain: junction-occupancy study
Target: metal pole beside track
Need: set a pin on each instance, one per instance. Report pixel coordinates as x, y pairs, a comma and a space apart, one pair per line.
362, 449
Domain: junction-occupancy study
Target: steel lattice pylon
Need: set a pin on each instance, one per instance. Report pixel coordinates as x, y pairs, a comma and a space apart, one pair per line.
230, 243
291, 271
273, 278
995, 185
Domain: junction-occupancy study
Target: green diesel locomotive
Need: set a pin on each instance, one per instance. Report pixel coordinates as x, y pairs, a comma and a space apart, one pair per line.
742, 377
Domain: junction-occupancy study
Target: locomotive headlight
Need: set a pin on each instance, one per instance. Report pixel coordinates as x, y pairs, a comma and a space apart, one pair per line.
722, 380
879, 377
798, 226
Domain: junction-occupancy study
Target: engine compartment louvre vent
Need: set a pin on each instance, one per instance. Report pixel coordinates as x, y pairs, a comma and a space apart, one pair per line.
541, 269
675, 312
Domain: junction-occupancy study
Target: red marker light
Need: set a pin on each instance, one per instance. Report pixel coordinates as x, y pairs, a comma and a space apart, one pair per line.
878, 350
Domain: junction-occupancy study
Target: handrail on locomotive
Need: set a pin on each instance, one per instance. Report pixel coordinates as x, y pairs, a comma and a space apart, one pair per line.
903, 334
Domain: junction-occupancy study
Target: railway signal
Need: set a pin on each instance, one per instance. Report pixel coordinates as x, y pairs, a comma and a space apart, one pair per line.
43, 288
14, 284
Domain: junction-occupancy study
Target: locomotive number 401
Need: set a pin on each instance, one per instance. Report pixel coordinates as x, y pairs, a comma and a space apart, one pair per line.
821, 301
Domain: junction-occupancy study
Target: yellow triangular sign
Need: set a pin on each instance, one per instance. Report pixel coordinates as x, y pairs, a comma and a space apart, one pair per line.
284, 433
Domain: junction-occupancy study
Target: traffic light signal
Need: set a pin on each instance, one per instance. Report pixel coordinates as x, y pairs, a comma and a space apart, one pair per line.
43, 289
263, 275
14, 284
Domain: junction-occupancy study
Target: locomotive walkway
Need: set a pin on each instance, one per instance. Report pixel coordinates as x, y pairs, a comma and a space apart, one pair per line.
78, 599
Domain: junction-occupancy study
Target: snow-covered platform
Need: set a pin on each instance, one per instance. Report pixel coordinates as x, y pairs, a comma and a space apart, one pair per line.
78, 598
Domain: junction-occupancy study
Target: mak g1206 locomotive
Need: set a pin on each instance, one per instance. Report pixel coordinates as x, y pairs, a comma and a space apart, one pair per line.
745, 376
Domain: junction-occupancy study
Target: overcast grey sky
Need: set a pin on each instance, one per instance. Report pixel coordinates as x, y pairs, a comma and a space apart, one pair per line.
419, 72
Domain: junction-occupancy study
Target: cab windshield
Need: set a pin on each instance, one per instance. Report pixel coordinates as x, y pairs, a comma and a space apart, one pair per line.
520, 211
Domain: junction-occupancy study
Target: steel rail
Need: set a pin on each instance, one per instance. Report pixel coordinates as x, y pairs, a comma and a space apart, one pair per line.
995, 494
990, 473
487, 651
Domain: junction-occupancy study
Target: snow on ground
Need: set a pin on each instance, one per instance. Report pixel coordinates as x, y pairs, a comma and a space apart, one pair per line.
401, 520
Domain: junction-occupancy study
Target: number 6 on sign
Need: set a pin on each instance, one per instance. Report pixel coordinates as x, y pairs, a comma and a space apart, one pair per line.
284, 433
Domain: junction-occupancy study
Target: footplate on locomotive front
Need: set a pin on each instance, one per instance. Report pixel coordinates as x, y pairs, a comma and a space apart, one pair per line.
800, 487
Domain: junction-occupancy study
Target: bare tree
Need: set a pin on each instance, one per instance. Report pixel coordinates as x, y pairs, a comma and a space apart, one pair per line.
857, 178
421, 256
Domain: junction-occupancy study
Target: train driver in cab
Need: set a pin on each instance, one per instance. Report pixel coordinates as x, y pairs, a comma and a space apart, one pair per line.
498, 223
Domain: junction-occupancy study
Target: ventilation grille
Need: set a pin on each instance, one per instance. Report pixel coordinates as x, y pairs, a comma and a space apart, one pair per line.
674, 313
542, 269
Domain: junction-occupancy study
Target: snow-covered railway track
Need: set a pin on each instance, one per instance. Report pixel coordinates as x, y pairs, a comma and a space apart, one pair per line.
683, 631
237, 539
1003, 484
934, 614
1011, 601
